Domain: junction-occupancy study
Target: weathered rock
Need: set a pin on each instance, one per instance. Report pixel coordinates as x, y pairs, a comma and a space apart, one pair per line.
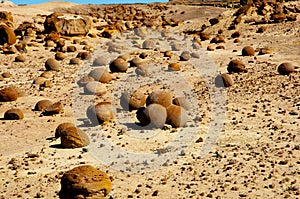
142, 71
60, 56
62, 127
83, 55
176, 116
6, 18
174, 67
236, 34
135, 62
8, 94
181, 101
218, 39
75, 61
248, 51
286, 68
223, 80
102, 112
161, 97
185, 56
204, 36
71, 48
236, 66
154, 115
137, 100
54, 109
95, 88
42, 105
6, 75
84, 80
149, 44
101, 61
67, 26
14, 114
101, 75
7, 35
20, 58
85, 182
118, 65
52, 64
73, 137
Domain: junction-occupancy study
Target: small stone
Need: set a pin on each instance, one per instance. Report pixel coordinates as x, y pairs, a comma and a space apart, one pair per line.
83, 55
218, 39
6, 75
118, 65
224, 80
102, 112
84, 80
161, 97
135, 62
20, 58
39, 80
286, 68
236, 66
62, 127
181, 101
60, 56
142, 71
261, 29
204, 36
210, 48
73, 137
42, 105
71, 49
75, 61
149, 44
236, 34
185, 56
137, 100
52, 64
13, 114
101, 61
248, 51
101, 74
195, 55
54, 109
9, 94
95, 88
177, 116
154, 115
174, 67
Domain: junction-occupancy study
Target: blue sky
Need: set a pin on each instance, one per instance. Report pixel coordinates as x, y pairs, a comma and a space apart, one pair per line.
88, 1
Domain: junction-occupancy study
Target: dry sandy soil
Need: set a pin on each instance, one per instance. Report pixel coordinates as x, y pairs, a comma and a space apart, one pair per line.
256, 154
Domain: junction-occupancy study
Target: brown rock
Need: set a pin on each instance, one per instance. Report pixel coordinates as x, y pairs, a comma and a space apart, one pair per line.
71, 49
177, 116
236, 66
155, 115
13, 114
54, 109
185, 56
6, 18
60, 56
95, 88
101, 61
6, 75
42, 105
8, 94
149, 44
102, 112
236, 34
67, 26
161, 97
137, 100
85, 182
20, 58
218, 39
83, 55
101, 75
261, 29
62, 127
7, 35
74, 61
204, 36
52, 64
74, 137
286, 68
181, 101
248, 51
118, 65
135, 62
174, 67
224, 80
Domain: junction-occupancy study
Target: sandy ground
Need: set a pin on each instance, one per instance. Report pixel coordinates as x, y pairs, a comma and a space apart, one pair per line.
256, 155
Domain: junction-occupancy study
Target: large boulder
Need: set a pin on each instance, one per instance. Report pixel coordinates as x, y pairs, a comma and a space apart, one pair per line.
85, 182
73, 137
68, 26
7, 35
